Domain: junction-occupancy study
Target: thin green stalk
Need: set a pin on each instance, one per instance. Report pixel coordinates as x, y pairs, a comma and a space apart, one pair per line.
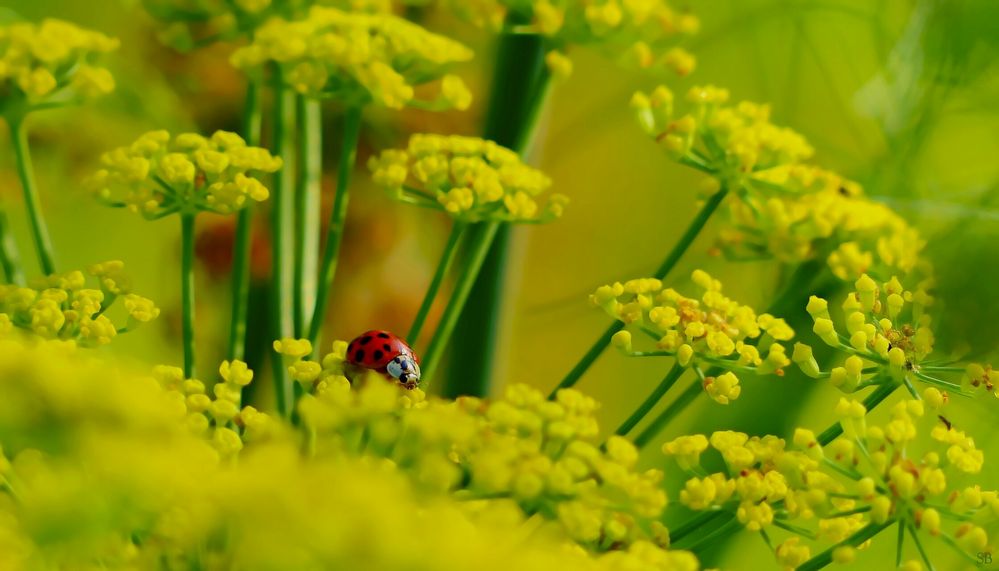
667, 265
32, 203
862, 535
282, 244
477, 255
187, 290
447, 257
677, 406
722, 531
334, 234
242, 242
10, 259
874, 399
520, 86
660, 391
308, 199
703, 518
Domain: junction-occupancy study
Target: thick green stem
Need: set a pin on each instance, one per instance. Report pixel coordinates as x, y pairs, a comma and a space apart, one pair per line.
862, 535
677, 406
187, 290
308, 198
243, 240
282, 243
334, 234
462, 289
667, 265
520, 86
657, 395
10, 259
39, 229
450, 249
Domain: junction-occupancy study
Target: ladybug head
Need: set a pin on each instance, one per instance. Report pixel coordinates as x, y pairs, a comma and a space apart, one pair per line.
404, 368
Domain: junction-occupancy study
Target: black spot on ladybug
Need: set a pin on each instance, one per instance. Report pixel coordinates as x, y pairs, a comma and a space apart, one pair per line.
359, 356
365, 340
387, 347
383, 335
378, 355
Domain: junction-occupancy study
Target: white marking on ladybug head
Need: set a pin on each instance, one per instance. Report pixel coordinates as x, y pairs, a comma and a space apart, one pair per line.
404, 368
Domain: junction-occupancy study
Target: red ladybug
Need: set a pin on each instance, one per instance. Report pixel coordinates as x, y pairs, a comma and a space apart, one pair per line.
386, 353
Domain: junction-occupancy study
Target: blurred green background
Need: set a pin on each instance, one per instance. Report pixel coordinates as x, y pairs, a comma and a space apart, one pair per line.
897, 94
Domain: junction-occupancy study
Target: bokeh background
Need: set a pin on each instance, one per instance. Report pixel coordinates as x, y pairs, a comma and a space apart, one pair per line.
900, 95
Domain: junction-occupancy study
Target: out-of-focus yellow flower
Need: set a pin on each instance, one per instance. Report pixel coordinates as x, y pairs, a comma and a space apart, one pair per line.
710, 331
50, 63
643, 34
781, 206
159, 175
469, 178
359, 58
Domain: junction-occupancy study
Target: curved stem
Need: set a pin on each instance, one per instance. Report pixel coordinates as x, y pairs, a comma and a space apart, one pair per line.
447, 257
10, 259
667, 265
281, 314
187, 290
660, 391
243, 240
32, 203
334, 235
457, 302
307, 208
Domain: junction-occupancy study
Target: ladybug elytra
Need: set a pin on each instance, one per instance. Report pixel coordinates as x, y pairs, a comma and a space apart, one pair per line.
386, 353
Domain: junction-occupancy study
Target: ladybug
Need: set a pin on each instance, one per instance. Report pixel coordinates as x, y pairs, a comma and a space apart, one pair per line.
386, 353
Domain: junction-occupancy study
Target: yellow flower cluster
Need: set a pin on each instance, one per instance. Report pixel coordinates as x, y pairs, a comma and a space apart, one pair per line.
639, 33
50, 63
359, 58
61, 306
159, 175
783, 207
712, 331
543, 455
888, 340
469, 178
106, 472
870, 476
222, 420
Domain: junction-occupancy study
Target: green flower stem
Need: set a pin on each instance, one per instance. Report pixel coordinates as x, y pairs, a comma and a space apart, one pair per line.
308, 198
520, 86
723, 530
700, 520
447, 257
39, 229
667, 265
187, 290
282, 245
243, 239
874, 399
334, 235
462, 289
660, 391
862, 535
10, 259
677, 406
